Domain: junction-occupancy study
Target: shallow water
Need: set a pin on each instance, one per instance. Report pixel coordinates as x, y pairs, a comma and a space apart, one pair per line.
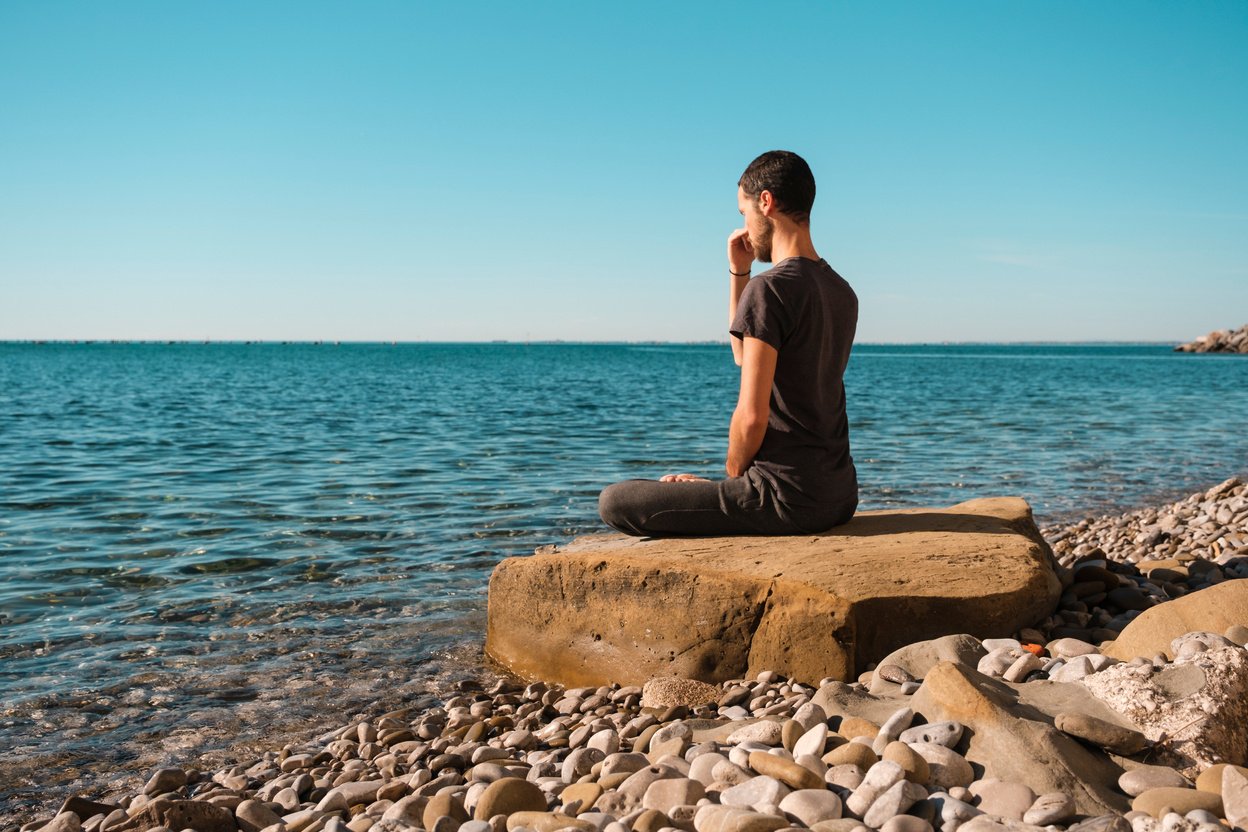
205, 546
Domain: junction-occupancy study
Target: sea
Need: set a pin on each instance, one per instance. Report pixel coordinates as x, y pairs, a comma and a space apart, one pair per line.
210, 550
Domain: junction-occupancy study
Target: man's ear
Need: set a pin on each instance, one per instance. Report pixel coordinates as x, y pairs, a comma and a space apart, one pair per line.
766, 204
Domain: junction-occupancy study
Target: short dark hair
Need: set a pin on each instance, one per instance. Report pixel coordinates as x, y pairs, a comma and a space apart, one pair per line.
789, 179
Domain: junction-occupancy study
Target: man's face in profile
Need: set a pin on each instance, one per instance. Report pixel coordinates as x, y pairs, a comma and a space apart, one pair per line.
761, 228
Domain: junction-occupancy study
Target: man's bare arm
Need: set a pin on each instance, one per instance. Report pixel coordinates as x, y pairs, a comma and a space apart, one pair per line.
740, 258
749, 420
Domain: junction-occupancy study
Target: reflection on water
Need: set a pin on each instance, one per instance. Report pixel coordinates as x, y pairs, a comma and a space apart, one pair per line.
205, 546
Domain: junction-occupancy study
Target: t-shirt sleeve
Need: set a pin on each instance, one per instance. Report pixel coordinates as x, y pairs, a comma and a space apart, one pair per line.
761, 315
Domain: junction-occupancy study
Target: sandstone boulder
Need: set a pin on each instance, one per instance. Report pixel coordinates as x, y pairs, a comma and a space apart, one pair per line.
1215, 609
611, 608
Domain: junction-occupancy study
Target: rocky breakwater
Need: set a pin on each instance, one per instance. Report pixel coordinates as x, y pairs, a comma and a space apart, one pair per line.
614, 609
1220, 340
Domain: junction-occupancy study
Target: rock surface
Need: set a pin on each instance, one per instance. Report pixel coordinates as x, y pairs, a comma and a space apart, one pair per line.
616, 609
1198, 705
1214, 609
1220, 340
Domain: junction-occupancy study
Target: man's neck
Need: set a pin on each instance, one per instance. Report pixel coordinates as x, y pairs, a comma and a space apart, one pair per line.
792, 240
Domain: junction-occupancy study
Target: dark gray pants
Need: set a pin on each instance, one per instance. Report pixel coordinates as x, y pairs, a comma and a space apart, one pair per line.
737, 505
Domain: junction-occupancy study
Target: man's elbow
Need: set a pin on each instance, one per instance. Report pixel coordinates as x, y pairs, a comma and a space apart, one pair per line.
752, 425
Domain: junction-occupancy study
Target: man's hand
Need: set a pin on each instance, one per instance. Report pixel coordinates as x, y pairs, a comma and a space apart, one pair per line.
740, 252
682, 478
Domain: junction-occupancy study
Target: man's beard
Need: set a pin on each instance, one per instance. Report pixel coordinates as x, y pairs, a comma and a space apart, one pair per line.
762, 246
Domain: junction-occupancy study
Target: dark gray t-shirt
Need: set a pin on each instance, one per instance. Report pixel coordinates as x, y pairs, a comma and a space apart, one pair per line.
809, 313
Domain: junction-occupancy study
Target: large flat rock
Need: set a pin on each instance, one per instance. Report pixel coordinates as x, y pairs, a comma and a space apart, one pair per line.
611, 608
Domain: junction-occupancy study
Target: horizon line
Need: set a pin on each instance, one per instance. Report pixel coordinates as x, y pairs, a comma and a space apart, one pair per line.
541, 341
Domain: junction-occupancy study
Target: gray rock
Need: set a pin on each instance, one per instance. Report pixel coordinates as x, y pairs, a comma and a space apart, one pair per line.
760, 789
809, 715
703, 766
1139, 780
1055, 807
607, 741
878, 779
812, 741
918, 658
579, 763
997, 662
764, 731
1021, 667
1066, 648
947, 768
1235, 797
847, 776
1102, 823
939, 733
894, 673
892, 728
894, 801
810, 806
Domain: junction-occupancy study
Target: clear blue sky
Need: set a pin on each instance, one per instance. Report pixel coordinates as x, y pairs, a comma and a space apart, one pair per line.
463, 171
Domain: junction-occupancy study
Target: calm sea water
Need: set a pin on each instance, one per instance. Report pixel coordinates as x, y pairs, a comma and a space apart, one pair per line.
205, 547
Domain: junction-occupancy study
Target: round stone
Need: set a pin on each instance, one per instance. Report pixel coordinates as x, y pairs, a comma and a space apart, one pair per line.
507, 796
851, 753
911, 762
1139, 780
1054, 807
1158, 802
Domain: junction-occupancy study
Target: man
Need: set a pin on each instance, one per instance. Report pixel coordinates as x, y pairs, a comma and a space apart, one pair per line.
792, 326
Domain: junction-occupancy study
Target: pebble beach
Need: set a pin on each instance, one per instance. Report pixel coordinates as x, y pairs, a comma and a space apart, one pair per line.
492, 753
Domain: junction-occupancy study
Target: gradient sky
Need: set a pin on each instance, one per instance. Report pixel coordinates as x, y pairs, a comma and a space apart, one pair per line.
463, 171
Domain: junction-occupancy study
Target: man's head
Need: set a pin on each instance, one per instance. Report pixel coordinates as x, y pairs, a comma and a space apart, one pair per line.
776, 185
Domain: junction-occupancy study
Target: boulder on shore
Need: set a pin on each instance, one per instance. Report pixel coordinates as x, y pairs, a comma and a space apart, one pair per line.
611, 608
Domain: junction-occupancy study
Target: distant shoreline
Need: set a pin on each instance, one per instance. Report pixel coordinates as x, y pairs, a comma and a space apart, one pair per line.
554, 342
